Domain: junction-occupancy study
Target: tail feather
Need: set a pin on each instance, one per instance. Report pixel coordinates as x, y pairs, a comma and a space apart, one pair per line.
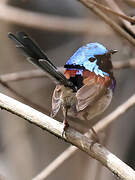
33, 53
28, 47
52, 71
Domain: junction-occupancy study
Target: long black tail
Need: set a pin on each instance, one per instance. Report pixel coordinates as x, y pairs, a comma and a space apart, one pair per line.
33, 53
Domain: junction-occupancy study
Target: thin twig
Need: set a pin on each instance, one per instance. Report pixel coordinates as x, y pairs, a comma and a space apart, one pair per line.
106, 9
115, 7
116, 27
95, 150
101, 125
30, 74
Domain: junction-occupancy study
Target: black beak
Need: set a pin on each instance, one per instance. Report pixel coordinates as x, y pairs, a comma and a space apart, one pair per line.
111, 51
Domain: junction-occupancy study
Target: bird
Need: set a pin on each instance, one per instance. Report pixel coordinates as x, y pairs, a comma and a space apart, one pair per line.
86, 87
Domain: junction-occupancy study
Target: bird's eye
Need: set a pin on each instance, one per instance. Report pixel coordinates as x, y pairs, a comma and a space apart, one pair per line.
91, 59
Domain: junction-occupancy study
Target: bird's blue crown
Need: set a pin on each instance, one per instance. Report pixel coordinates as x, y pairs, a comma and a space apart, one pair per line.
80, 59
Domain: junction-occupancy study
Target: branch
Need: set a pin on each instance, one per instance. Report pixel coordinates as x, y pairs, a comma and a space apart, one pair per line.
21, 97
30, 74
56, 163
101, 125
45, 22
116, 27
23, 75
95, 150
115, 7
124, 64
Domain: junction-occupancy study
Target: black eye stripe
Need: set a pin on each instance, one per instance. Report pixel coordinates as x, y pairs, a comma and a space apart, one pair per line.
92, 59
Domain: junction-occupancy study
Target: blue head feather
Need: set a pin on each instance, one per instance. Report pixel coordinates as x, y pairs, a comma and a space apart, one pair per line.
82, 55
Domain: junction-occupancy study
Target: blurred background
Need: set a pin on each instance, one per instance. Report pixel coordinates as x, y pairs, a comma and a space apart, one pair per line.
25, 149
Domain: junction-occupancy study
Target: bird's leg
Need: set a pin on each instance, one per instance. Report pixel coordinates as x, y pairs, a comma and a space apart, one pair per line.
52, 114
65, 122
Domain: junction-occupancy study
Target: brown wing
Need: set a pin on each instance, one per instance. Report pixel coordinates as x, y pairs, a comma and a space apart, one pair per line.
56, 100
88, 94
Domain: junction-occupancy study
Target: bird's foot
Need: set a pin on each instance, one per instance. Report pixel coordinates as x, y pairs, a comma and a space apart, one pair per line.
66, 125
95, 135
